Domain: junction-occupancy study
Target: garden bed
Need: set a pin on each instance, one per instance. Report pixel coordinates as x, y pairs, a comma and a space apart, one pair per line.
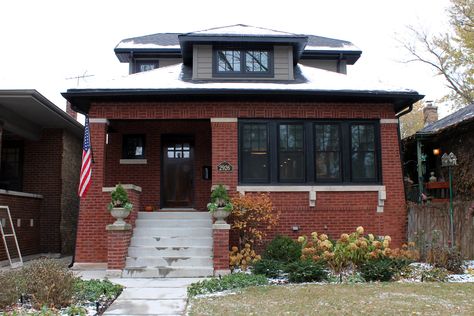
47, 287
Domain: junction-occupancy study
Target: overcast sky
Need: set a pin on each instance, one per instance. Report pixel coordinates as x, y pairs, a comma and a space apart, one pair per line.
45, 42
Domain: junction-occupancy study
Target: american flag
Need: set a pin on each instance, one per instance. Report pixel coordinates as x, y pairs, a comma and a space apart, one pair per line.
86, 169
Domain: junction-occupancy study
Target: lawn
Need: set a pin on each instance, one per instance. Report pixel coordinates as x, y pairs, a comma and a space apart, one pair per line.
343, 299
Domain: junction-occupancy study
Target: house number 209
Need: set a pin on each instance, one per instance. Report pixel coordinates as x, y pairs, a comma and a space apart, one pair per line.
224, 167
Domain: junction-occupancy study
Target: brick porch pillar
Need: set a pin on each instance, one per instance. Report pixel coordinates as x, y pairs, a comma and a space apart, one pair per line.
224, 149
91, 240
220, 236
118, 237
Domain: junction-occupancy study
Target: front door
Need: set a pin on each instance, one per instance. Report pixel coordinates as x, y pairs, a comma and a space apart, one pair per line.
177, 185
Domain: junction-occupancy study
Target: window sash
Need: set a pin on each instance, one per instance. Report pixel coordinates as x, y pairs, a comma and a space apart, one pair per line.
324, 155
291, 156
254, 150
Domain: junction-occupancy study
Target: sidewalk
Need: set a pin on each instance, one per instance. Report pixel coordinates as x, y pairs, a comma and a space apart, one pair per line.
151, 296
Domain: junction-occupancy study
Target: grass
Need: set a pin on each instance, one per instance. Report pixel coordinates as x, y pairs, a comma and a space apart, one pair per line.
343, 299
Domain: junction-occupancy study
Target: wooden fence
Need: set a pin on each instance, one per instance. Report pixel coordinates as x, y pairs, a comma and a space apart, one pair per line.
426, 222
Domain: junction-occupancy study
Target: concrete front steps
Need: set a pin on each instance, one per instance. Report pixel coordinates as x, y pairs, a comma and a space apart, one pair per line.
170, 245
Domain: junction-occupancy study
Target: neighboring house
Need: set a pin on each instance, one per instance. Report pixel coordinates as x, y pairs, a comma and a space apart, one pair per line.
453, 133
255, 109
40, 161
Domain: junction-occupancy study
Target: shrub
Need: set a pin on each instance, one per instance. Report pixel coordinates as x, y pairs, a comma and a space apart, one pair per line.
284, 249
227, 282
243, 258
269, 267
49, 283
252, 216
306, 271
446, 258
92, 290
380, 270
12, 287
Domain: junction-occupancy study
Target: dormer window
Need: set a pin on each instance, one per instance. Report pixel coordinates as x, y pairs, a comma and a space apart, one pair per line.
231, 62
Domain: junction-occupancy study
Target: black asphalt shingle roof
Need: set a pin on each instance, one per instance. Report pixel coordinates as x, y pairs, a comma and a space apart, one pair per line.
463, 115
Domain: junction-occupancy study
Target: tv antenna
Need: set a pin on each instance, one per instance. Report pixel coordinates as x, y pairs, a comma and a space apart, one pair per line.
79, 77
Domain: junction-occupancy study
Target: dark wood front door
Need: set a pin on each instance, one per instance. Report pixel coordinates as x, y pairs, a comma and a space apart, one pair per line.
177, 186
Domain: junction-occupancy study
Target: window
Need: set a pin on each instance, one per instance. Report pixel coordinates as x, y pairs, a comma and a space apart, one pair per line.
179, 151
304, 151
291, 153
11, 171
133, 147
145, 65
363, 152
327, 152
255, 164
242, 62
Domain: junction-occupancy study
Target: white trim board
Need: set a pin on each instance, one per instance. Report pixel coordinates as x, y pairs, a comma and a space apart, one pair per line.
223, 120
133, 161
313, 189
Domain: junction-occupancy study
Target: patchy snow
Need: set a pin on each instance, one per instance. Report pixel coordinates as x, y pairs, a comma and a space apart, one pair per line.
170, 78
241, 29
132, 45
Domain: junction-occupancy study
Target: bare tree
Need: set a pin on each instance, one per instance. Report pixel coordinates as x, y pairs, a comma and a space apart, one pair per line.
450, 54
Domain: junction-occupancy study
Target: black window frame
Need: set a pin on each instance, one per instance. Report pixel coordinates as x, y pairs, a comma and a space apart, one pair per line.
309, 141
125, 138
242, 73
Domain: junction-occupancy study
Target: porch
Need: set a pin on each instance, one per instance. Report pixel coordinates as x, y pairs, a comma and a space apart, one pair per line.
165, 165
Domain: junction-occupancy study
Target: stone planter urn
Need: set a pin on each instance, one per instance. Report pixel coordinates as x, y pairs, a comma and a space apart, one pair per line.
119, 213
220, 215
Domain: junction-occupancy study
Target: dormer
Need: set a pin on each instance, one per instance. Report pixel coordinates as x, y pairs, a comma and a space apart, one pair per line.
242, 52
238, 53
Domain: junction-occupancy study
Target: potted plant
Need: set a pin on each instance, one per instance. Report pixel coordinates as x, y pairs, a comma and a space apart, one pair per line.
119, 206
220, 206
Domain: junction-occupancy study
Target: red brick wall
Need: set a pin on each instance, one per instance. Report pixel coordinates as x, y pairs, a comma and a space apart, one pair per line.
42, 175
23, 208
335, 212
148, 176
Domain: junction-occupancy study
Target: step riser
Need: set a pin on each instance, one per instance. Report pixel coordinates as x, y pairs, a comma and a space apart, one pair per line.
168, 252
171, 242
172, 262
173, 232
170, 223
174, 215
167, 273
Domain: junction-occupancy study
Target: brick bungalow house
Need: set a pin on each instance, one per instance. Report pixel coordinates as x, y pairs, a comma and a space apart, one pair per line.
255, 109
40, 158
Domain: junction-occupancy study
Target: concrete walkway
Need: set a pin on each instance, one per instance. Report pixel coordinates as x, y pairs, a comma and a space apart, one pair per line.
151, 296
